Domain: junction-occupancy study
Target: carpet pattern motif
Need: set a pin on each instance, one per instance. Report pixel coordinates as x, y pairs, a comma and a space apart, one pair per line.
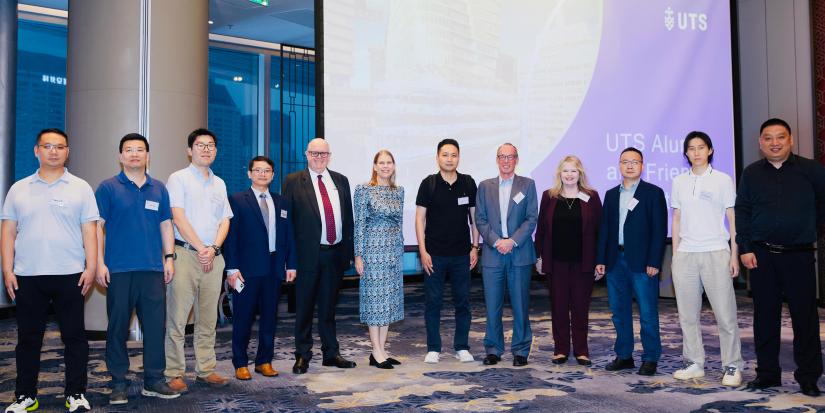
447, 386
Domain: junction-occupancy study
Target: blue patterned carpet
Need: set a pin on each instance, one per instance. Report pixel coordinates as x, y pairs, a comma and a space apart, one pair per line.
450, 385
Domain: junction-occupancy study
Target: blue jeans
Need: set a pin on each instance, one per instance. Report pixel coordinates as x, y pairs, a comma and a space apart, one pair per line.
517, 281
622, 285
458, 269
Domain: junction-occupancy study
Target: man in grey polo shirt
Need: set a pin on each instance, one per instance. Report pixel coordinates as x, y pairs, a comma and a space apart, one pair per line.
49, 253
200, 212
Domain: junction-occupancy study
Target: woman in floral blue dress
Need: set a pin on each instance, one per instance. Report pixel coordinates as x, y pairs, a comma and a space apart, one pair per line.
379, 247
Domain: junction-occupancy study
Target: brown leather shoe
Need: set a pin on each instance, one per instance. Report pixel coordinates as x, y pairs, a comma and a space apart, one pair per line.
266, 370
177, 384
214, 380
242, 373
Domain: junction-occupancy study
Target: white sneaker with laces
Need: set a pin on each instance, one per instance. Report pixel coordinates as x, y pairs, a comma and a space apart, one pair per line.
431, 357
23, 404
78, 403
732, 377
464, 356
693, 371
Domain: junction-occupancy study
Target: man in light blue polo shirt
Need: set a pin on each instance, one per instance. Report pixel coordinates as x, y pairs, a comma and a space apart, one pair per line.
49, 253
135, 262
200, 212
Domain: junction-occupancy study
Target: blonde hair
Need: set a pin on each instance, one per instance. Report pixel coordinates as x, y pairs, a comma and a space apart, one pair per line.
584, 186
374, 178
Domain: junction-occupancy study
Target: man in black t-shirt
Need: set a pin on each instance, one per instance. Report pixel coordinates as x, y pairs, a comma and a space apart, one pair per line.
448, 246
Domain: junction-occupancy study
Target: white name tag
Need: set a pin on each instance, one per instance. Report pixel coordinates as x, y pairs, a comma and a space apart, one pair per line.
584, 197
519, 196
632, 204
152, 205
463, 200
283, 213
706, 196
57, 202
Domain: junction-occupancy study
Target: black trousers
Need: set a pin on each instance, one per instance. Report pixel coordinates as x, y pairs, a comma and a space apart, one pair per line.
34, 294
321, 288
793, 275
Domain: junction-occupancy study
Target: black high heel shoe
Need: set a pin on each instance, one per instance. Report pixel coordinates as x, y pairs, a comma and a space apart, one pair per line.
393, 361
386, 364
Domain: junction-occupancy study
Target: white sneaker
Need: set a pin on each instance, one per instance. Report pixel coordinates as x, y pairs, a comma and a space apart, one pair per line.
432, 357
23, 404
693, 371
464, 356
78, 403
732, 377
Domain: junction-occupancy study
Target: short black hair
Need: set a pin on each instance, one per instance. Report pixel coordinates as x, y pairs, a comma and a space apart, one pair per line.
132, 137
200, 132
632, 149
697, 135
448, 141
261, 158
51, 130
775, 122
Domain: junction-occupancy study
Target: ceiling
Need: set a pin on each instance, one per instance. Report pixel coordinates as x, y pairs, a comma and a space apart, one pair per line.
282, 21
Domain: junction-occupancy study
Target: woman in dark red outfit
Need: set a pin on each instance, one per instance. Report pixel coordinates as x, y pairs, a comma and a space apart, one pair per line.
566, 246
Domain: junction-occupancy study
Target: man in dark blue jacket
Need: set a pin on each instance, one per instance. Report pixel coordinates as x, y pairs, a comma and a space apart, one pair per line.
630, 247
260, 254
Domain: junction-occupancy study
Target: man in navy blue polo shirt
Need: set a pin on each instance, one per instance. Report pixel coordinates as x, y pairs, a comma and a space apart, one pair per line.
135, 261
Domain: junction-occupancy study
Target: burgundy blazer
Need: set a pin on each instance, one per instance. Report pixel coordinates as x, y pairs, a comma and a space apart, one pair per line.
591, 214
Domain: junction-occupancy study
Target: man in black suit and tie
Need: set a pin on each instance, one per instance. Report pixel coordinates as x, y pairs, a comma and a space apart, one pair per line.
260, 254
322, 218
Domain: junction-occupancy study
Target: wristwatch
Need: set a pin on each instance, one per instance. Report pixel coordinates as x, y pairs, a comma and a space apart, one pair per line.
475, 247
217, 249
173, 256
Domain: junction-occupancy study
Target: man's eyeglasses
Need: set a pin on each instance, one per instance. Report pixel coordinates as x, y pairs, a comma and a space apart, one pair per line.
317, 154
260, 171
630, 163
135, 150
205, 146
506, 157
49, 147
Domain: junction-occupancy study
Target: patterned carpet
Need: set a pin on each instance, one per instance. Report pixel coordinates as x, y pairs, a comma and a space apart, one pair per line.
450, 385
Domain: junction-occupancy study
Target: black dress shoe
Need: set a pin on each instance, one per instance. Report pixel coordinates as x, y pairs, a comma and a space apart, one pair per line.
300, 366
584, 361
519, 361
809, 389
560, 360
620, 364
491, 359
760, 383
648, 368
339, 362
393, 361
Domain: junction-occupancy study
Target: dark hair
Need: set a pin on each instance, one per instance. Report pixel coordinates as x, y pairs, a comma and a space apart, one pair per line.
448, 141
200, 132
133, 137
261, 158
632, 149
51, 130
774, 122
697, 135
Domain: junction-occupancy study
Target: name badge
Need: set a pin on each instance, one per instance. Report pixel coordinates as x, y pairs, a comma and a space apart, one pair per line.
632, 204
57, 203
519, 196
706, 196
283, 213
152, 205
464, 200
584, 197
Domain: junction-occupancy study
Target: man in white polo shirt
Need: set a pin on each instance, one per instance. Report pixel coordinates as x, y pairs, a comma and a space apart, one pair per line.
49, 251
702, 259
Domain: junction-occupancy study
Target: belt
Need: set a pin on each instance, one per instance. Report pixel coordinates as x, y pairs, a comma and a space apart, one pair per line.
621, 248
325, 247
271, 253
779, 248
185, 245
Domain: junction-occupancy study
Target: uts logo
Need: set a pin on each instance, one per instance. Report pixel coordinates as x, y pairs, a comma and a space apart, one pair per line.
685, 20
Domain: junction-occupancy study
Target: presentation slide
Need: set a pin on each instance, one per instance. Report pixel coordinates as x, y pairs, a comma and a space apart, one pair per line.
553, 77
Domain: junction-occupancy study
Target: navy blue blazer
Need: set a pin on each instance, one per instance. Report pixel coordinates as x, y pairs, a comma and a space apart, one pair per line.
645, 229
247, 245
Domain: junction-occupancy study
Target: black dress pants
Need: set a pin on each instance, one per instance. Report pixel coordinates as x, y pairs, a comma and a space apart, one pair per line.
319, 287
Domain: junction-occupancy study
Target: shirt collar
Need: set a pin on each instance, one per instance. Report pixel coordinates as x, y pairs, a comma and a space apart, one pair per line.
790, 161
706, 173
314, 175
195, 171
632, 187
258, 193
506, 181
63, 178
125, 179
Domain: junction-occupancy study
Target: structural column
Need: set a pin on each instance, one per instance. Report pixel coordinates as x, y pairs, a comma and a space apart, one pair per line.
133, 66
8, 85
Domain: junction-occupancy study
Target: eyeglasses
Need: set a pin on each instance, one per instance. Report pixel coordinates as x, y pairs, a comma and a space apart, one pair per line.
630, 163
135, 150
205, 146
506, 157
260, 171
317, 154
49, 147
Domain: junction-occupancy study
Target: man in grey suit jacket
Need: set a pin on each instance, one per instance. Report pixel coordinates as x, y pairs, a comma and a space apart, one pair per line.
506, 215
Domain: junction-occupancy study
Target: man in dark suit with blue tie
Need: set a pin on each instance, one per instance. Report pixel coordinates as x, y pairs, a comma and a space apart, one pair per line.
260, 254
630, 247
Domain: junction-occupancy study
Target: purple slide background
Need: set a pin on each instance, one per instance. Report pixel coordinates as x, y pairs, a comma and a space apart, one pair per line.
653, 81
